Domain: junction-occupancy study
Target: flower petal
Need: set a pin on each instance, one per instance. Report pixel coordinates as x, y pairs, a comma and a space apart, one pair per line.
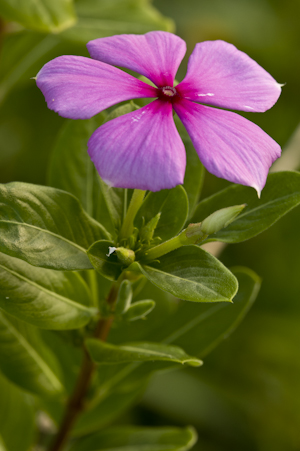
228, 145
219, 74
156, 55
140, 150
78, 88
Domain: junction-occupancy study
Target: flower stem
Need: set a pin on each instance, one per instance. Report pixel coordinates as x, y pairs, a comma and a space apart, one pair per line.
135, 203
191, 235
162, 249
76, 403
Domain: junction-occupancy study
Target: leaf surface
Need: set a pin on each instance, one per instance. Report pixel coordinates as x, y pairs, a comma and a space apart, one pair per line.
44, 298
191, 274
139, 439
173, 206
137, 352
46, 227
279, 196
41, 15
23, 364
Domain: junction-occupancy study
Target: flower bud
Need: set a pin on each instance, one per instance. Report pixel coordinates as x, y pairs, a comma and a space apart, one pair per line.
139, 310
125, 256
124, 298
220, 219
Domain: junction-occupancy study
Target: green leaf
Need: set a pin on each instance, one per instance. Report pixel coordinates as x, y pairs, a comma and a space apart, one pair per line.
191, 274
107, 353
23, 364
17, 418
280, 195
199, 329
46, 227
22, 56
100, 18
44, 298
139, 310
138, 439
71, 168
173, 206
106, 264
40, 15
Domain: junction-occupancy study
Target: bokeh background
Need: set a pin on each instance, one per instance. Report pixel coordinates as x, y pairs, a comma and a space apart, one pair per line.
247, 394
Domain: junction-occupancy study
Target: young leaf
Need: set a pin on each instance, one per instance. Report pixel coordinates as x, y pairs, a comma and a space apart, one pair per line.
22, 364
280, 195
46, 227
137, 439
107, 353
173, 206
42, 15
191, 274
17, 419
106, 263
139, 310
42, 297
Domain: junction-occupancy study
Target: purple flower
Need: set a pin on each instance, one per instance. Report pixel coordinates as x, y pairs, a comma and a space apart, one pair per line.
143, 149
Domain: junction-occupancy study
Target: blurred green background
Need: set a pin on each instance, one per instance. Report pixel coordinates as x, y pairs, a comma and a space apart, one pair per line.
247, 394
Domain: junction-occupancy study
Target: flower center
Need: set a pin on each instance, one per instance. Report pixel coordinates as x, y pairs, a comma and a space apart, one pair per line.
167, 92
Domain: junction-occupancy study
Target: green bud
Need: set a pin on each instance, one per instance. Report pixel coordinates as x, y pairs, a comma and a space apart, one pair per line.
146, 232
124, 298
139, 310
125, 256
220, 219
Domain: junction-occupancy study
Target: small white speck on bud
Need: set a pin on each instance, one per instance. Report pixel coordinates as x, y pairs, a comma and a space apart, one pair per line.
111, 250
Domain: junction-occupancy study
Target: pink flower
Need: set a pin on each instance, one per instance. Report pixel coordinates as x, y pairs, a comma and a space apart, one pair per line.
143, 149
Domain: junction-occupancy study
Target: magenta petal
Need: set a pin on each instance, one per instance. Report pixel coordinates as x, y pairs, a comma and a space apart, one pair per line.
140, 150
229, 146
219, 74
78, 88
156, 55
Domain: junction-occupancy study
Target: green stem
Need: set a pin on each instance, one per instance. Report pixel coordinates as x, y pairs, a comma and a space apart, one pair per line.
162, 249
76, 403
191, 235
135, 203
93, 286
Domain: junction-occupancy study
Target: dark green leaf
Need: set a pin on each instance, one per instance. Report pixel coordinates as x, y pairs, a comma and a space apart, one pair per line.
42, 297
107, 353
17, 419
41, 15
173, 206
46, 227
22, 56
100, 18
138, 439
71, 168
280, 195
199, 329
105, 263
191, 274
23, 364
